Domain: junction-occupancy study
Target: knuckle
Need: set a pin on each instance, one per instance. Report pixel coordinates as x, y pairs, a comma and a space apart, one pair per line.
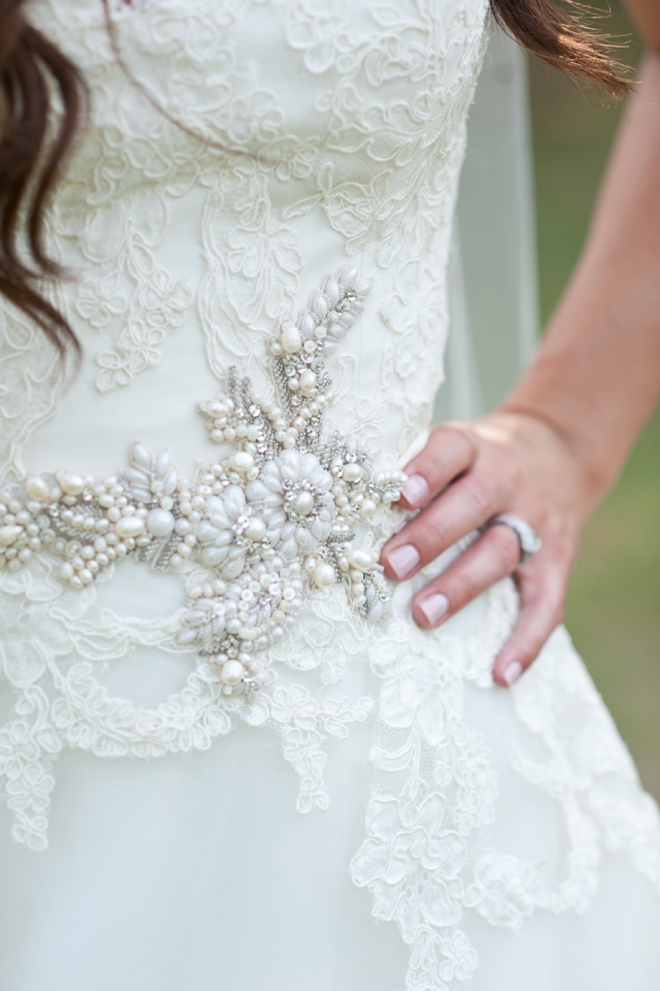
451, 445
433, 538
565, 551
480, 494
465, 443
505, 546
554, 602
460, 588
529, 650
557, 614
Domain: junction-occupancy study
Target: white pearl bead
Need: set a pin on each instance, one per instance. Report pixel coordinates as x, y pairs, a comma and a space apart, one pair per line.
307, 381
160, 522
352, 472
241, 461
290, 338
72, 484
304, 503
324, 575
37, 489
129, 526
255, 529
367, 508
66, 572
8, 534
361, 560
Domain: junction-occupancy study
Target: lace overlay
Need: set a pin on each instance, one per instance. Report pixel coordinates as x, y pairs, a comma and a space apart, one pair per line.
333, 137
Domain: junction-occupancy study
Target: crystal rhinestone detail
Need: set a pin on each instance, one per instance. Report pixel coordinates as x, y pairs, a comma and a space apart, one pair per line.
257, 530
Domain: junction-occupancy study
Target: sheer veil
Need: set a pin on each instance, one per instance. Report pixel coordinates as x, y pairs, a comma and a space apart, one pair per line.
492, 276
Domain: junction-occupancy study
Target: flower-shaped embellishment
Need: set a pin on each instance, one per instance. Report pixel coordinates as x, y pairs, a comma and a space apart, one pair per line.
256, 530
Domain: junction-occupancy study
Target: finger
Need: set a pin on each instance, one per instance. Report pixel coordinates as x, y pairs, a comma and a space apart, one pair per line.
448, 453
542, 586
492, 557
461, 508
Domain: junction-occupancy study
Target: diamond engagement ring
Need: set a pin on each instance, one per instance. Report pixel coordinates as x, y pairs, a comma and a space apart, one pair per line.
530, 542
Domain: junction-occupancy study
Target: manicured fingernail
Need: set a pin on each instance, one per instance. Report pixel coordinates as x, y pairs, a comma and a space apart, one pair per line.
403, 559
434, 608
416, 490
512, 673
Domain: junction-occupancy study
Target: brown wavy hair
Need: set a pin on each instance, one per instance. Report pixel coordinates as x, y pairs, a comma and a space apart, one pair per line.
35, 139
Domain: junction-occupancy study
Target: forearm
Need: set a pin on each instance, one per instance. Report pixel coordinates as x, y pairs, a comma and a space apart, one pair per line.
597, 374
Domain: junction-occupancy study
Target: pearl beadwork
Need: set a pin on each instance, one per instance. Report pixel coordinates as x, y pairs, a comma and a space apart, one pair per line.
129, 526
257, 529
324, 575
160, 522
305, 503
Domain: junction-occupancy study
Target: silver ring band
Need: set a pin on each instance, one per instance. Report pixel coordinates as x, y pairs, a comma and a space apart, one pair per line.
530, 542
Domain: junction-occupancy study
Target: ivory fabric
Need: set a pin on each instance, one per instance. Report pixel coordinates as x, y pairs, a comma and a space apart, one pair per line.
380, 816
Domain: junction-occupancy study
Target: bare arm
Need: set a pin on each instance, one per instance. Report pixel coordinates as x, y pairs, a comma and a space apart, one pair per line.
558, 442
597, 374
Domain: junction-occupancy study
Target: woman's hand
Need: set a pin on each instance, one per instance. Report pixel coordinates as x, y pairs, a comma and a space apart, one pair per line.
506, 462
596, 377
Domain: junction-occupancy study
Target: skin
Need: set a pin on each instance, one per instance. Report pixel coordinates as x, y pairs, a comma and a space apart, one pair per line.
556, 445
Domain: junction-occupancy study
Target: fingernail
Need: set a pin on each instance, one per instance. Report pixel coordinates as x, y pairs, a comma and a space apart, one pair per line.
402, 560
512, 673
415, 490
434, 608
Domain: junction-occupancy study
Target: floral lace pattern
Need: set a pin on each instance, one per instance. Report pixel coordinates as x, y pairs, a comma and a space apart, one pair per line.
282, 505
332, 134
435, 794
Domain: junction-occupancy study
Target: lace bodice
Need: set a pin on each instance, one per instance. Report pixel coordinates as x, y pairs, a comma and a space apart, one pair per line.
295, 228
298, 94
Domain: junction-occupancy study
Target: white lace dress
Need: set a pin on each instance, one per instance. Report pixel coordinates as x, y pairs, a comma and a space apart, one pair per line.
230, 759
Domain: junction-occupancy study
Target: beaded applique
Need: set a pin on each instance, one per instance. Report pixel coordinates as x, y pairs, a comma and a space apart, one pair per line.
255, 530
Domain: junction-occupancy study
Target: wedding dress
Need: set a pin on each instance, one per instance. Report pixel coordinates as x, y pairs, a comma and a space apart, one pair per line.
230, 760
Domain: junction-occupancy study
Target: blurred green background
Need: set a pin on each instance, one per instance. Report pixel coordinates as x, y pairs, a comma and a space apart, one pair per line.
613, 609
